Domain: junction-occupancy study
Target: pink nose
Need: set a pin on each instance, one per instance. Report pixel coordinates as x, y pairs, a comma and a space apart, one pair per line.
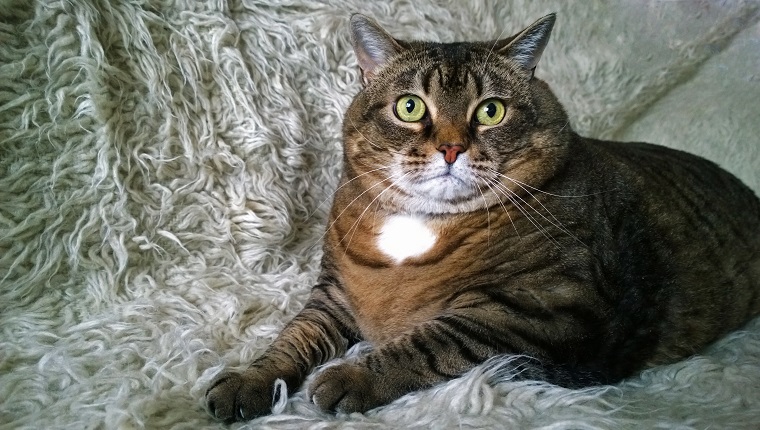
450, 152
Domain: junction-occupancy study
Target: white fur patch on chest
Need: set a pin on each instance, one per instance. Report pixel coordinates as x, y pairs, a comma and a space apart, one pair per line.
404, 236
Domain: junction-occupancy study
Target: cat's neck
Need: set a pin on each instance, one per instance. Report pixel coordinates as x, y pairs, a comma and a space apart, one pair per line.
377, 231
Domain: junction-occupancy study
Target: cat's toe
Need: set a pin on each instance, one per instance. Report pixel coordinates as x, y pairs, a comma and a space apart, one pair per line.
344, 388
235, 396
221, 394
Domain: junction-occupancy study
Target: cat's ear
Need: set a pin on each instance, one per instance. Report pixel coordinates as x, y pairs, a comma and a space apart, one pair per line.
526, 47
373, 45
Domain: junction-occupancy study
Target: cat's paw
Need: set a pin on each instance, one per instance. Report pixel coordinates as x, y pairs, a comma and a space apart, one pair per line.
239, 396
346, 388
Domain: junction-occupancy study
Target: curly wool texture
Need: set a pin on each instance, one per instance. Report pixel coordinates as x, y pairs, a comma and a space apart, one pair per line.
166, 169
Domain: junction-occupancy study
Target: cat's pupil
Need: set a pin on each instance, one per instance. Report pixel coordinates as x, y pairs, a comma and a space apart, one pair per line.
491, 110
410, 106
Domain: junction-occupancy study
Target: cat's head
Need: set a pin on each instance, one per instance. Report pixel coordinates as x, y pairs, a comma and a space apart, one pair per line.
448, 127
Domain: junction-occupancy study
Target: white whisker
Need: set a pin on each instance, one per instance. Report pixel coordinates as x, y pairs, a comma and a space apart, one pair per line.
371, 143
355, 225
343, 185
557, 223
517, 182
490, 182
563, 127
490, 51
351, 203
488, 213
509, 195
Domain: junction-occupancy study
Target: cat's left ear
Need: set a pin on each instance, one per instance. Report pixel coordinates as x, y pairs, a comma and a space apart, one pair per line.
373, 46
526, 47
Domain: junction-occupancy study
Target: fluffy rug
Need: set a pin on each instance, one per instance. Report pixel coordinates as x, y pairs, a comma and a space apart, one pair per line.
166, 169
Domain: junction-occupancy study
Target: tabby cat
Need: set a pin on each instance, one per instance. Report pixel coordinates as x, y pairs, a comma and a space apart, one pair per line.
472, 222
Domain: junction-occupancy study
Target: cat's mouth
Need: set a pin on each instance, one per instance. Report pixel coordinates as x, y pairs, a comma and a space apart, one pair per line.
448, 185
451, 184
449, 176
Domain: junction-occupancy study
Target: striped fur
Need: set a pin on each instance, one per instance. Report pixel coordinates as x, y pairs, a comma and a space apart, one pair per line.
590, 260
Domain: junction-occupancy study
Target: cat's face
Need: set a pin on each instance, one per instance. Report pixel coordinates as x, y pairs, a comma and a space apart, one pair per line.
442, 128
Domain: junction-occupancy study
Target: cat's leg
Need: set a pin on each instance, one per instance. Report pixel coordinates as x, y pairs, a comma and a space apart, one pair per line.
434, 352
320, 332
416, 360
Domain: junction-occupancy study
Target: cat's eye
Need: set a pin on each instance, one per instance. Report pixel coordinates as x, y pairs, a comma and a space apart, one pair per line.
410, 108
490, 112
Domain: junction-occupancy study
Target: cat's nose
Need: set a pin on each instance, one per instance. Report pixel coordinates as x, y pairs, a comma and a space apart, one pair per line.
450, 152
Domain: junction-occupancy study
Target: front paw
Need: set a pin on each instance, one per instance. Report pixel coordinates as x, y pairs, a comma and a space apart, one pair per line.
347, 388
240, 396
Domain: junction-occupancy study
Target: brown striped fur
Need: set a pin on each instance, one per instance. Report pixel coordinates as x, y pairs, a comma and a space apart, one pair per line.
590, 260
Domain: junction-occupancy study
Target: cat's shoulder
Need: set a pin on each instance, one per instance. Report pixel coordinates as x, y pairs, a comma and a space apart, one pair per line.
642, 154
658, 168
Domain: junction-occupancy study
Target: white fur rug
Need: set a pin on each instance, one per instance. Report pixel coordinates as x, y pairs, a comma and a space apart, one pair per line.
166, 169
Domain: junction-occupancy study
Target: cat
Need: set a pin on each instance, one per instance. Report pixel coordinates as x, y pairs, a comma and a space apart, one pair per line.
472, 222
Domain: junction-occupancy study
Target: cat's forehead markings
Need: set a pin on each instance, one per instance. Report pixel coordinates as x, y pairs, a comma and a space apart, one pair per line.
446, 77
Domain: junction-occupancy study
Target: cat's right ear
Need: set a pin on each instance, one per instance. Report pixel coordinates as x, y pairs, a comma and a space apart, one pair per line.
526, 47
373, 45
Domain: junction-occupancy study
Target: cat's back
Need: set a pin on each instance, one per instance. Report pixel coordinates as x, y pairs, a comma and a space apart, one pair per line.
673, 180
695, 229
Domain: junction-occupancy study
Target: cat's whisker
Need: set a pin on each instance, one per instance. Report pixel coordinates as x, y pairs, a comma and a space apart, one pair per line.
355, 225
327, 230
371, 143
501, 189
512, 197
525, 187
563, 127
490, 51
540, 228
488, 213
374, 216
518, 182
343, 185
490, 182
557, 223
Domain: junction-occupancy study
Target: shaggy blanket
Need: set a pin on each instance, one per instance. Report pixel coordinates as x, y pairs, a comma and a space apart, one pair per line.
166, 169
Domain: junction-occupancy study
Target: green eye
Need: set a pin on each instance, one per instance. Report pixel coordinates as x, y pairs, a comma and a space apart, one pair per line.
410, 108
490, 112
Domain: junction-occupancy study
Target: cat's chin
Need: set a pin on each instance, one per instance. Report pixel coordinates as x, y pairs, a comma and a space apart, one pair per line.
447, 188
446, 193
444, 188
428, 206
436, 199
